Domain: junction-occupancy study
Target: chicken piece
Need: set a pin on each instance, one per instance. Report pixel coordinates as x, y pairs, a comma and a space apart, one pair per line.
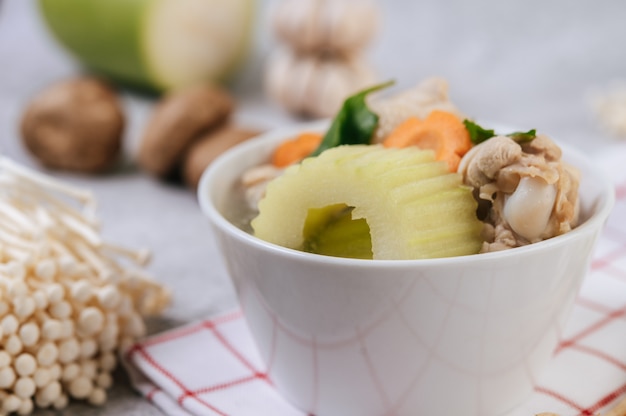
482, 163
526, 193
255, 181
430, 94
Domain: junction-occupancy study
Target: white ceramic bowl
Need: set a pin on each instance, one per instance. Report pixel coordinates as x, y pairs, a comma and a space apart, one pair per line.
455, 336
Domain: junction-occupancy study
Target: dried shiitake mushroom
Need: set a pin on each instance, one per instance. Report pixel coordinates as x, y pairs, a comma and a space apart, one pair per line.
75, 125
178, 120
207, 148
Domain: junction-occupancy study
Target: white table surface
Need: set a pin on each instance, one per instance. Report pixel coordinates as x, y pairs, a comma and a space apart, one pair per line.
528, 63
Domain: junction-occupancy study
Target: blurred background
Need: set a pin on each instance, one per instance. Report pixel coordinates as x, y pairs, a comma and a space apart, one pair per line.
524, 63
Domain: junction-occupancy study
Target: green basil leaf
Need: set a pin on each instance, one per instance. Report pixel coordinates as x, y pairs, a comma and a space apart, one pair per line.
355, 123
479, 134
523, 137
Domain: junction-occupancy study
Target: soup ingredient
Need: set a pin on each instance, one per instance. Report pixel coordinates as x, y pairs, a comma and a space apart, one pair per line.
441, 131
204, 150
355, 123
69, 301
479, 134
414, 208
294, 150
528, 208
332, 231
158, 45
254, 182
178, 120
419, 101
75, 125
525, 191
338, 26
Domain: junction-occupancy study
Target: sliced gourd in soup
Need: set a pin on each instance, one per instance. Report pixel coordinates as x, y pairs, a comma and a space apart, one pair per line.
371, 202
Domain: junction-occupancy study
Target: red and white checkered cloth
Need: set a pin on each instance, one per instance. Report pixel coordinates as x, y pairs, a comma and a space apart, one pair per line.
212, 367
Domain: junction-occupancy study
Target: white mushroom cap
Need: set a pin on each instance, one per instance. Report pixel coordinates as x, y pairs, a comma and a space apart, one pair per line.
26, 407
25, 387
25, 364
7, 377
42, 377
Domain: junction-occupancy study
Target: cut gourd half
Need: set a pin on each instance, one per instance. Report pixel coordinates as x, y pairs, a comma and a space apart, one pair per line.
196, 40
371, 202
155, 44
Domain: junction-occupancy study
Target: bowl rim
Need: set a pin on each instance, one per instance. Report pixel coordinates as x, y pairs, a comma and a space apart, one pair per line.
592, 224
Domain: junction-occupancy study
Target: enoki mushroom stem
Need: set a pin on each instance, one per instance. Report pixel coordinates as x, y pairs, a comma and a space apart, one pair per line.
67, 300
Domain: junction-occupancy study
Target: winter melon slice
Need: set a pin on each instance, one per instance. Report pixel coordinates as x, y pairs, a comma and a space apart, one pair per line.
333, 232
408, 204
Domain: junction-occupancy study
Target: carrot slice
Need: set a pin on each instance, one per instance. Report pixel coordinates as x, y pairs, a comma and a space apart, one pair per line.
441, 131
296, 149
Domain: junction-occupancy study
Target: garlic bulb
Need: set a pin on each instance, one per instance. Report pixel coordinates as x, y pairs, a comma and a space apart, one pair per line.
320, 64
326, 25
315, 85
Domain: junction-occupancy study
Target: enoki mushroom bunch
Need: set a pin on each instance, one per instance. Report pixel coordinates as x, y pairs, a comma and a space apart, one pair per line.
69, 301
